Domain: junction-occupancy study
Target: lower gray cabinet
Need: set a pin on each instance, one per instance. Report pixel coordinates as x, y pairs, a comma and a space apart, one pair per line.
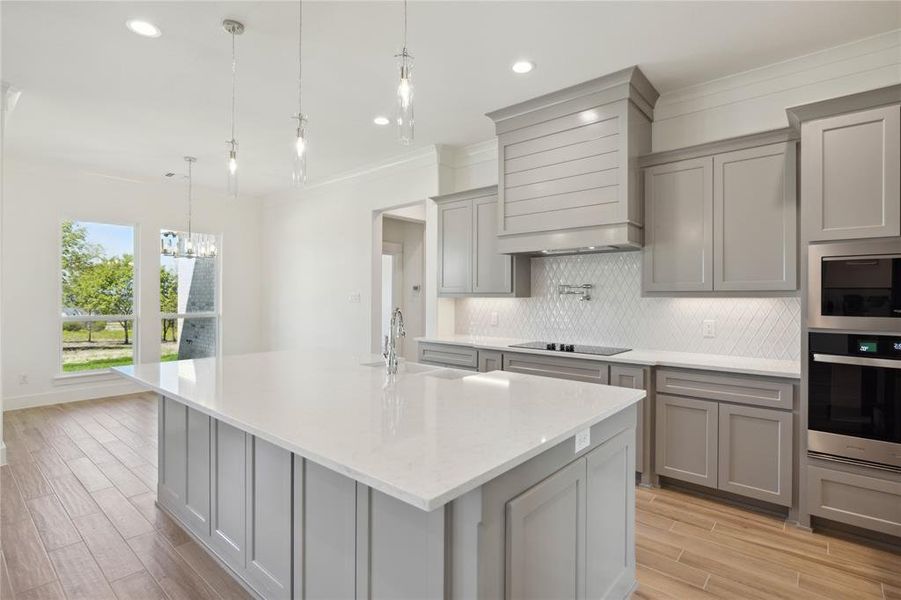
184, 469
856, 498
755, 453
449, 355
554, 512
270, 504
577, 369
635, 378
686, 441
490, 360
229, 482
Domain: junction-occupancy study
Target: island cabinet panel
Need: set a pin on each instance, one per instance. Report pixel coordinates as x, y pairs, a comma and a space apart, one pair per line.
755, 452
269, 517
686, 443
755, 219
610, 508
678, 253
850, 175
184, 473
230, 477
325, 545
545, 546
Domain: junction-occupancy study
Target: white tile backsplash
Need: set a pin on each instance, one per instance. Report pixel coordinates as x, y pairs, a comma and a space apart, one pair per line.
618, 315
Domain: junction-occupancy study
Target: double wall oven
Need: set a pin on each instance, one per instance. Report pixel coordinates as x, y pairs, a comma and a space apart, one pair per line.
854, 351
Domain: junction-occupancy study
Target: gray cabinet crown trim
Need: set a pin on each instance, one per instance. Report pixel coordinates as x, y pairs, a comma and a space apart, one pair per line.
845, 104
638, 87
489, 190
765, 138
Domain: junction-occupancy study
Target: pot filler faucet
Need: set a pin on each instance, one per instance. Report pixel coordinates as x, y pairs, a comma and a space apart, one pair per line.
395, 331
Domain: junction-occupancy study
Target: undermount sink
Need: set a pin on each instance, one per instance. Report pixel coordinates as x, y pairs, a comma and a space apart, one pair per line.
403, 367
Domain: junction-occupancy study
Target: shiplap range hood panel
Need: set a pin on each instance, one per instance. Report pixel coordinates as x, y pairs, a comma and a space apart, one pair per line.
566, 167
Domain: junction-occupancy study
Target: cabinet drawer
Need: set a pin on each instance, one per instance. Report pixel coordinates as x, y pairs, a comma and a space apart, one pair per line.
449, 356
561, 368
855, 499
728, 388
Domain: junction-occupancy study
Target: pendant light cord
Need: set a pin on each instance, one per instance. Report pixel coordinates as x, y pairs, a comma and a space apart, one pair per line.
299, 60
190, 195
234, 86
405, 27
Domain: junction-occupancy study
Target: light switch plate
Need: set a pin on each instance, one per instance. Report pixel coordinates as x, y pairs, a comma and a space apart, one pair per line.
354, 298
583, 440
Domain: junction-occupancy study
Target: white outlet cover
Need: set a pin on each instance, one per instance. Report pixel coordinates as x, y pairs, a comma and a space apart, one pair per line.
583, 440
709, 328
494, 319
354, 298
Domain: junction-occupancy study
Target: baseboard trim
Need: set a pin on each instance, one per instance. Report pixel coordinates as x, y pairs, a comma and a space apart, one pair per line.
71, 395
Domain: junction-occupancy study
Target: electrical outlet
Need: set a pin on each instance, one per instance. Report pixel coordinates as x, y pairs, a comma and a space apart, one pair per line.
709, 328
494, 319
23, 379
583, 440
354, 298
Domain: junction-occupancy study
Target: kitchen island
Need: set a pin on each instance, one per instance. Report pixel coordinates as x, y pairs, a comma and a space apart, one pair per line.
314, 475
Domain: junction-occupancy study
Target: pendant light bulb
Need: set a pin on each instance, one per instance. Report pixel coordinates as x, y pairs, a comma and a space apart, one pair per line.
404, 109
299, 156
233, 169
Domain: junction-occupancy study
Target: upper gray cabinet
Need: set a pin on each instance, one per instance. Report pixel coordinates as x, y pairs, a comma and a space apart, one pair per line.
566, 172
722, 216
851, 175
468, 260
679, 226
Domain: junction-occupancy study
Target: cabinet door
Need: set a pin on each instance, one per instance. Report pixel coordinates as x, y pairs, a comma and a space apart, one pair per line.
610, 514
173, 478
230, 476
197, 488
678, 252
577, 369
633, 377
755, 219
850, 176
270, 504
490, 360
755, 453
492, 273
545, 543
455, 247
687, 439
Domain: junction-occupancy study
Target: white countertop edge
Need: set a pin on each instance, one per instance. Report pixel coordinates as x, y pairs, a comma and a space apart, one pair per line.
690, 361
427, 504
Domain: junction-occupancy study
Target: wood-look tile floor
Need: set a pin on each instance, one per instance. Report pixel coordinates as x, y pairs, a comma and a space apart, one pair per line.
78, 521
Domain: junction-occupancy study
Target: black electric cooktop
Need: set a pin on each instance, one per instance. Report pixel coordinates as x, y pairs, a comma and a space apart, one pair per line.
572, 348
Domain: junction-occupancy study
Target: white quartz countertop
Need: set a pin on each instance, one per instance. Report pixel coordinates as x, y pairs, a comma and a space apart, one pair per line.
427, 436
655, 358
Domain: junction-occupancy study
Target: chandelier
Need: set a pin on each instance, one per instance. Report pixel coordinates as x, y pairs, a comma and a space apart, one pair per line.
180, 244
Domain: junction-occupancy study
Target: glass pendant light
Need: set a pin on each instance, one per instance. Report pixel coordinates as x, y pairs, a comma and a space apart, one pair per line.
299, 152
404, 114
233, 28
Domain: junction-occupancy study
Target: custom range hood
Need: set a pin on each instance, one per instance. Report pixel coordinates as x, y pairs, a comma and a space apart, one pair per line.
568, 183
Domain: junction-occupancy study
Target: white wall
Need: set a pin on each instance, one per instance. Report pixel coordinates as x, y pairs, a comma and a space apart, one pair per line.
318, 250
37, 197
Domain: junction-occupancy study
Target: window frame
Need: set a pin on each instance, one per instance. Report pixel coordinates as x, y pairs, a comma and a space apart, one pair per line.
135, 301
216, 313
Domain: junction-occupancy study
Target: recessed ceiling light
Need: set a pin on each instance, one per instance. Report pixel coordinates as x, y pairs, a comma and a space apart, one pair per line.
381, 120
523, 66
144, 28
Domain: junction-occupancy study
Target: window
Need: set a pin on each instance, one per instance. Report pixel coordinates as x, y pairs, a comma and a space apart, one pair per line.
98, 291
189, 303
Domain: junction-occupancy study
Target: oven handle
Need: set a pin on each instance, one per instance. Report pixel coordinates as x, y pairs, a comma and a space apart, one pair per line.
857, 360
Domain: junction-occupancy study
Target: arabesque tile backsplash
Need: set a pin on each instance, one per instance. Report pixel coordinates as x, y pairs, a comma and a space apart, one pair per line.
618, 315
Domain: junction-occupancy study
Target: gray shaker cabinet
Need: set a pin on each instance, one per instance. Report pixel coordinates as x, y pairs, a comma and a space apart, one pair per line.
636, 378
755, 219
850, 175
686, 444
678, 253
455, 247
755, 452
490, 360
468, 261
554, 512
231, 466
184, 473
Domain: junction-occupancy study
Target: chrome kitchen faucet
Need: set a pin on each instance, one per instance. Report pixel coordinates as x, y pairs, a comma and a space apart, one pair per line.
395, 331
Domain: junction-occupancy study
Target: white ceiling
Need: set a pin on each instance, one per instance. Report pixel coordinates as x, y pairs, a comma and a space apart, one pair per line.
99, 96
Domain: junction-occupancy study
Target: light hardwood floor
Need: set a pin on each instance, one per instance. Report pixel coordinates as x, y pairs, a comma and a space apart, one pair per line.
78, 520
